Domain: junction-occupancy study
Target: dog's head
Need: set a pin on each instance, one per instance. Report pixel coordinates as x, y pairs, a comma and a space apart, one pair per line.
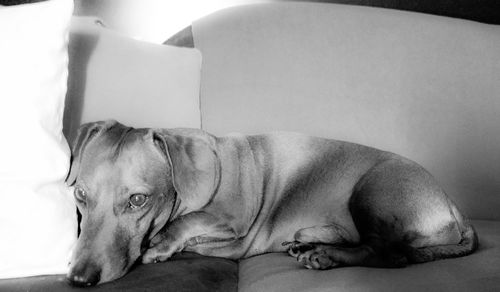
128, 183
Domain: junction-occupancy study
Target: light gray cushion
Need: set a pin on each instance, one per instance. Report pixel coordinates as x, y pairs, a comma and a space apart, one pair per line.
140, 84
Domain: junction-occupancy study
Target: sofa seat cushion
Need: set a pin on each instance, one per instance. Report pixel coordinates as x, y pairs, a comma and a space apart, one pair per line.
184, 272
477, 272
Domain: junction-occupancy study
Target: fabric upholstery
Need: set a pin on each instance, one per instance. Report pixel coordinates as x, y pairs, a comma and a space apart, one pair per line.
425, 87
37, 216
477, 272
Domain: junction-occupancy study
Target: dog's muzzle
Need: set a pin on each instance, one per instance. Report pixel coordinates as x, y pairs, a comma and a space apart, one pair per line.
84, 275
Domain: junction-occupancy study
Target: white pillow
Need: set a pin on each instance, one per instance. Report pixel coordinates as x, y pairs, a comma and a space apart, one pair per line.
37, 219
139, 84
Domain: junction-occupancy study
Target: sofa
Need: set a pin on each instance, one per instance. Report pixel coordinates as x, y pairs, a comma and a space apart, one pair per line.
425, 87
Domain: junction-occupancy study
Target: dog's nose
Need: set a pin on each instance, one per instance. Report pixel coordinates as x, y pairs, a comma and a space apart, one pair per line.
84, 277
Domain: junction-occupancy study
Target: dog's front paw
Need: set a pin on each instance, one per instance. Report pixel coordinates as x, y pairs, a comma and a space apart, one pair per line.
159, 253
154, 255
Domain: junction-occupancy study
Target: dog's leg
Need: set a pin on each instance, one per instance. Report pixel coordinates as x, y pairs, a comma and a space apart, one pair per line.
329, 234
190, 229
326, 247
403, 217
323, 256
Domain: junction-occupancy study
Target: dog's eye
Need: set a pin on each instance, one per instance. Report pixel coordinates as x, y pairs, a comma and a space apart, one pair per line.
138, 200
80, 194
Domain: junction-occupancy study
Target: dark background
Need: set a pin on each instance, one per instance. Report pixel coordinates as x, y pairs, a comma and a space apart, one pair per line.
487, 11
479, 10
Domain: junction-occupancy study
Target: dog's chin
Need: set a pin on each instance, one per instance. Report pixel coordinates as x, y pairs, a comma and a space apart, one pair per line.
118, 270
112, 276
113, 273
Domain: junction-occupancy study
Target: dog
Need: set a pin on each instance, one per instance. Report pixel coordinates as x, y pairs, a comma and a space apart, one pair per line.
145, 194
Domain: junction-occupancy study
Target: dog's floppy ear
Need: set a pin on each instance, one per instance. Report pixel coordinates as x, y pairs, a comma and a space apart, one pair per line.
85, 134
195, 166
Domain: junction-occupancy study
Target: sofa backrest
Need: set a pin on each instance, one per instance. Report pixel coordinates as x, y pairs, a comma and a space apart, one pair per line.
423, 86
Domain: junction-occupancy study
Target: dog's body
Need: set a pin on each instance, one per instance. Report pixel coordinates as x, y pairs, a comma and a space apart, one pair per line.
327, 202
